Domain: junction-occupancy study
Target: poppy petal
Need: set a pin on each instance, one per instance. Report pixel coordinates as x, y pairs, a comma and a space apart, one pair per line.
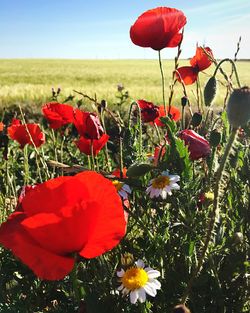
201, 60
45, 264
84, 144
58, 114
174, 112
157, 28
105, 216
26, 134
187, 74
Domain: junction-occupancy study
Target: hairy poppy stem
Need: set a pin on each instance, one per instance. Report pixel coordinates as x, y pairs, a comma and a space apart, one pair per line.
162, 82
214, 213
26, 165
234, 69
75, 284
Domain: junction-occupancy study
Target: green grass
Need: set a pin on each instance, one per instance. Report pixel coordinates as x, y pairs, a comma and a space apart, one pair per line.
29, 82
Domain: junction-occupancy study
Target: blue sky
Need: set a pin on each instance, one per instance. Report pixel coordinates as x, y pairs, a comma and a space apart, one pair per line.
97, 29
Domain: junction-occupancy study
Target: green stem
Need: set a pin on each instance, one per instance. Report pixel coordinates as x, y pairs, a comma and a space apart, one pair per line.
233, 66
26, 165
214, 213
157, 132
92, 155
121, 156
75, 284
162, 82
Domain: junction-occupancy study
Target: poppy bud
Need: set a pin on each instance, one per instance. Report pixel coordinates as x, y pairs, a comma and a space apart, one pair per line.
181, 308
215, 138
210, 91
238, 107
103, 104
196, 119
198, 146
136, 170
184, 101
120, 87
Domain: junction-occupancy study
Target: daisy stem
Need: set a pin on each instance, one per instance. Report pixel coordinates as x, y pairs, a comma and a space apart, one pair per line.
214, 213
162, 82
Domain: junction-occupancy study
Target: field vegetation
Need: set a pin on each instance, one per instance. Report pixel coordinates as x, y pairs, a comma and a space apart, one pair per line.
29, 82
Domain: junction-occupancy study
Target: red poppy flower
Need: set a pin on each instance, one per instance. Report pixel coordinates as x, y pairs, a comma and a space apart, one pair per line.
200, 62
58, 114
158, 153
117, 173
26, 134
198, 146
88, 125
1, 126
149, 111
174, 112
67, 215
84, 144
158, 28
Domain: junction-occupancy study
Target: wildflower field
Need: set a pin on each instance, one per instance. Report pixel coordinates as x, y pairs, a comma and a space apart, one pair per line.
127, 189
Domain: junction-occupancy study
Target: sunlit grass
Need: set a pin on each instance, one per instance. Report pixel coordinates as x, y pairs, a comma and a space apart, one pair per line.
30, 81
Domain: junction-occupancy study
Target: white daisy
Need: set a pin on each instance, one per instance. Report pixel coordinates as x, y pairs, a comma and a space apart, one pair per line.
122, 189
162, 185
137, 281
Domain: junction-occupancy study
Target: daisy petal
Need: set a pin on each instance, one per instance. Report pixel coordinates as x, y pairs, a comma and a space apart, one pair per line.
134, 295
120, 273
153, 273
140, 264
150, 290
155, 283
142, 295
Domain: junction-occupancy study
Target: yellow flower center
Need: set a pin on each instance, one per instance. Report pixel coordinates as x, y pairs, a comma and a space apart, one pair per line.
161, 182
134, 278
209, 196
118, 185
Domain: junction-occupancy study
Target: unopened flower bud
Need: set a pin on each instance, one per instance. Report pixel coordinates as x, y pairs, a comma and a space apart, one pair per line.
210, 91
238, 107
196, 119
120, 87
184, 101
215, 138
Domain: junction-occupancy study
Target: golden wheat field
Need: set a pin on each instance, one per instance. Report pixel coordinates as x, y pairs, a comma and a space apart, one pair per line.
29, 81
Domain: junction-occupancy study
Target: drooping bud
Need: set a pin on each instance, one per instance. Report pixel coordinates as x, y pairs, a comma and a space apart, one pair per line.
238, 107
215, 138
184, 101
210, 91
138, 169
196, 119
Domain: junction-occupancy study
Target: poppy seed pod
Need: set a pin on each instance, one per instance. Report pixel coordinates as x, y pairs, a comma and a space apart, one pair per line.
210, 91
238, 107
